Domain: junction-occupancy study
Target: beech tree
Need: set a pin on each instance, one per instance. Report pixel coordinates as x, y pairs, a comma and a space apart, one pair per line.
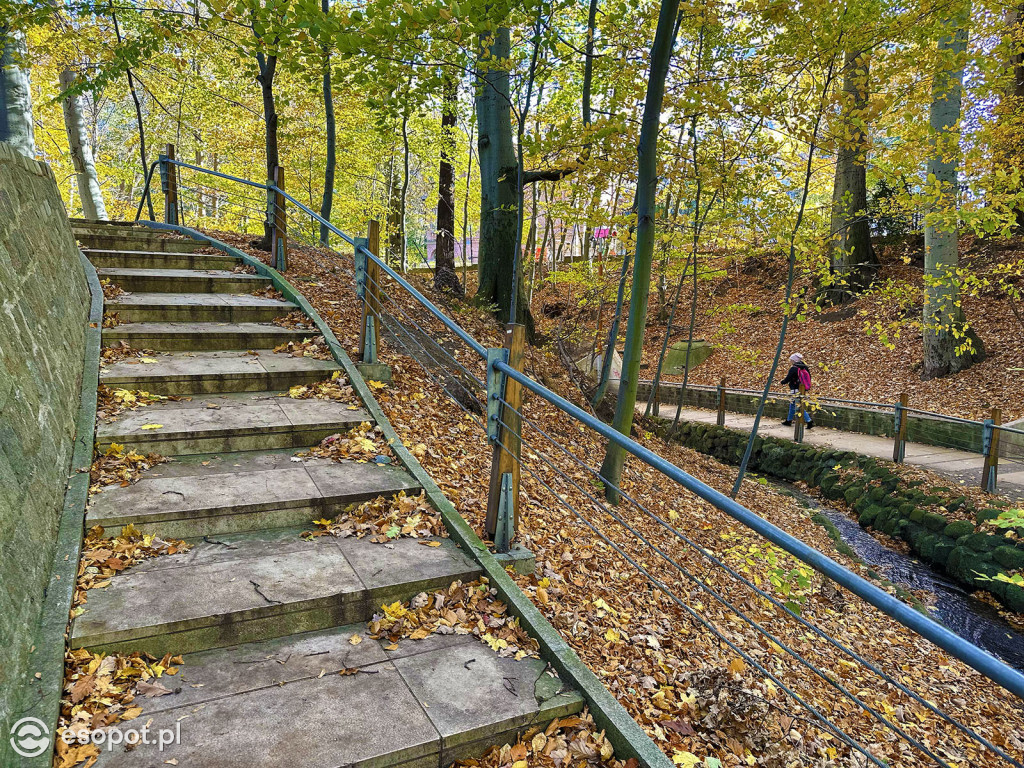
950, 345
89, 191
16, 126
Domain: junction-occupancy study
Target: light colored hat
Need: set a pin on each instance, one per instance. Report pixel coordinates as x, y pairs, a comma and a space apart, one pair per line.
796, 357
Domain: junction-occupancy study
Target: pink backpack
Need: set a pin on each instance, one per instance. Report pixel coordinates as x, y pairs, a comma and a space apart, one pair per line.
804, 376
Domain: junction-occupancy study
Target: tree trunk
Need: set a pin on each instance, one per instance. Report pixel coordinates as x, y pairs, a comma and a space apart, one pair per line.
1010, 110
499, 192
89, 190
467, 239
853, 263
396, 237
138, 116
267, 70
327, 201
950, 345
403, 263
16, 127
646, 192
445, 276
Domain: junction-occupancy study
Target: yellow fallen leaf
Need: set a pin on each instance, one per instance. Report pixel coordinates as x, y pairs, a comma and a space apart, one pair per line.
737, 667
431, 543
152, 426
147, 360
355, 640
685, 759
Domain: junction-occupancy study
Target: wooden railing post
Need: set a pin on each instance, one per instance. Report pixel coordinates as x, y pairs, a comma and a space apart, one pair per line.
370, 278
721, 403
503, 494
279, 238
899, 448
169, 177
990, 447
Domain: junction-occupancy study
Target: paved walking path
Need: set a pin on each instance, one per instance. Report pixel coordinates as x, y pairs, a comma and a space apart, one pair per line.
267, 620
959, 465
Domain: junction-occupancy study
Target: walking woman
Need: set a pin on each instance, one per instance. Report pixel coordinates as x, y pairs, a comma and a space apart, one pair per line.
798, 374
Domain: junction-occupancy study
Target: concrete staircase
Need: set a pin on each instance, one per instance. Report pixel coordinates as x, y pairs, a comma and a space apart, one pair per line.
263, 617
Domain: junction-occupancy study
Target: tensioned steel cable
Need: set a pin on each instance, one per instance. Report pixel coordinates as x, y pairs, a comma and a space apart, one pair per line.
813, 628
827, 725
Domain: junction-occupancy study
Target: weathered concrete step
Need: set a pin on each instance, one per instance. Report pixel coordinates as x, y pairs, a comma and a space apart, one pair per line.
158, 260
187, 373
183, 280
426, 704
116, 229
246, 421
177, 337
120, 242
242, 588
203, 495
197, 308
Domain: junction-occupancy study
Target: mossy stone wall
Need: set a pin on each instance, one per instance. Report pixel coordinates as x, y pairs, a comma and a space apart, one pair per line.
44, 309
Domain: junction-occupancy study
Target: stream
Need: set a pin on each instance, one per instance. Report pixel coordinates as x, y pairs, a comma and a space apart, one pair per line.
950, 604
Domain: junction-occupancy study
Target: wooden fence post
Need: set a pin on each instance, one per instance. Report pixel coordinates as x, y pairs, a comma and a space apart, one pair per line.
170, 178
899, 448
990, 446
368, 329
279, 238
721, 403
503, 494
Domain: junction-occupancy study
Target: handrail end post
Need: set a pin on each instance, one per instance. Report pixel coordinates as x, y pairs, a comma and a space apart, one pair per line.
507, 444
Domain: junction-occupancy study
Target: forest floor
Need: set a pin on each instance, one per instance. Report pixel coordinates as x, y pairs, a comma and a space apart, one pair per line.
668, 652
739, 312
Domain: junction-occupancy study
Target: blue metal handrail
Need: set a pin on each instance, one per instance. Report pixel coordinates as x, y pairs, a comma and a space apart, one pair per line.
983, 662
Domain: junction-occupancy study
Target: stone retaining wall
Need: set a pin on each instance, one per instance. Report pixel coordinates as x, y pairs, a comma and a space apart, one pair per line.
882, 500
926, 430
44, 307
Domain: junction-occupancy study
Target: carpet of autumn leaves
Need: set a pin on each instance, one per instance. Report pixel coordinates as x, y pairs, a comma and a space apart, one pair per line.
739, 311
674, 664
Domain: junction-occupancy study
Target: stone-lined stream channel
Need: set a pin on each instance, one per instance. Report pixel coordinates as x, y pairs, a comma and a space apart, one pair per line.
950, 604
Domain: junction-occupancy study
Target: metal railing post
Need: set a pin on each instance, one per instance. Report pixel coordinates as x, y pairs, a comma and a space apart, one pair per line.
990, 447
368, 278
503, 493
169, 183
279, 237
721, 403
899, 448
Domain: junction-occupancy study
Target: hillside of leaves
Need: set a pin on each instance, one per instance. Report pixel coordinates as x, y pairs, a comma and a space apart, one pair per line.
869, 349
668, 662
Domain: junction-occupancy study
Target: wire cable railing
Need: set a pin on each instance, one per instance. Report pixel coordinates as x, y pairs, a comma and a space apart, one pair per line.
673, 561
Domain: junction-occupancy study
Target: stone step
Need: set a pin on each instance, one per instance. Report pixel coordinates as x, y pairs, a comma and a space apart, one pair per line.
119, 242
242, 421
115, 229
197, 308
183, 280
188, 373
204, 495
158, 260
177, 337
428, 703
241, 588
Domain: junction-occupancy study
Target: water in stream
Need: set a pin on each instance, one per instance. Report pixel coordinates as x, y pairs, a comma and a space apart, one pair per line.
953, 606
